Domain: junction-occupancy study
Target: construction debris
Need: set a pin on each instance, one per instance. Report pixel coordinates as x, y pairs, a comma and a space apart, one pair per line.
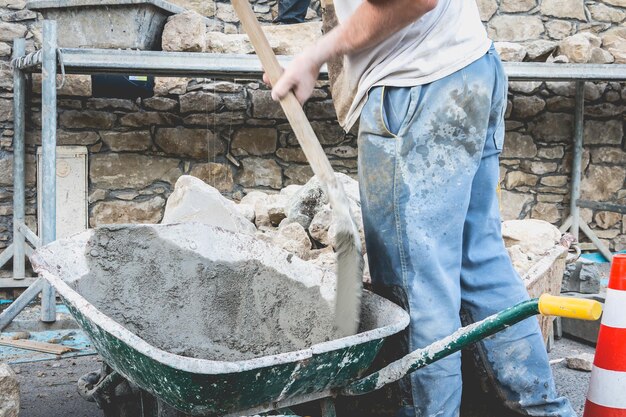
581, 362
527, 241
36, 346
9, 392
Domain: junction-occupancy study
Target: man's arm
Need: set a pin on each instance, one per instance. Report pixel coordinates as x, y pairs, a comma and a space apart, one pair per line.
371, 23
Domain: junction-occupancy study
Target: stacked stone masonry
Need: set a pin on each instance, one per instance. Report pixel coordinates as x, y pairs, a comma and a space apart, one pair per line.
233, 136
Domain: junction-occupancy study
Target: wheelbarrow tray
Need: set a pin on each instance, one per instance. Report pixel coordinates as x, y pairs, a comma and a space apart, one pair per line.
209, 387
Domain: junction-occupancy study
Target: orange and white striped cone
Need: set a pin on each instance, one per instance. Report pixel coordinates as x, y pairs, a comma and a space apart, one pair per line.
607, 389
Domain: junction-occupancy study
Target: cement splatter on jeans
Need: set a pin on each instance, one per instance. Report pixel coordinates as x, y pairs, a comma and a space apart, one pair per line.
428, 168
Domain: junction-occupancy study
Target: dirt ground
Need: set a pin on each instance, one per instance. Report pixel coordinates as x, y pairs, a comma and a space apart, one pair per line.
49, 388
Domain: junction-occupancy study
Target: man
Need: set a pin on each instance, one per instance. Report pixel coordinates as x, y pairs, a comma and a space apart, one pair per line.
292, 11
431, 97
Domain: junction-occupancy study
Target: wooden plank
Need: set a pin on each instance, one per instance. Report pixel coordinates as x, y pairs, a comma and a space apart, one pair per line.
36, 346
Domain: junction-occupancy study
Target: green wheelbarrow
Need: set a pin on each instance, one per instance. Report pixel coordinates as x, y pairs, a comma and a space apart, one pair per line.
205, 322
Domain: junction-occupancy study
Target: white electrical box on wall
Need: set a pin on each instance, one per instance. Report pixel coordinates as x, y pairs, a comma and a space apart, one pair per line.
71, 195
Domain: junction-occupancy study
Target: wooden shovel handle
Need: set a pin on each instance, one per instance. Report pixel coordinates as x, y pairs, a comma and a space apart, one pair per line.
292, 108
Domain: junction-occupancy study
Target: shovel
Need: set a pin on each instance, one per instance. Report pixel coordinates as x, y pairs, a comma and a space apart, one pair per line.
348, 243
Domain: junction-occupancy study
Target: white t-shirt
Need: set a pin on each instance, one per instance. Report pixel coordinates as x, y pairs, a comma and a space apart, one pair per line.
446, 39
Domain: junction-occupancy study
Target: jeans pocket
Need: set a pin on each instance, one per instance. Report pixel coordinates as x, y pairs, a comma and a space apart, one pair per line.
394, 107
499, 133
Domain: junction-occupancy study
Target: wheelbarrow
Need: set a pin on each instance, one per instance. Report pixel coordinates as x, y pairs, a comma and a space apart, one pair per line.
206, 322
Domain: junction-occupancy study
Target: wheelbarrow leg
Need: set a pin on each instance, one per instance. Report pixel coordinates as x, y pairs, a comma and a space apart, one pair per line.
328, 407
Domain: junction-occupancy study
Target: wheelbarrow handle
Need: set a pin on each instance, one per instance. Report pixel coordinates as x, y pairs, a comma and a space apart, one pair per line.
465, 336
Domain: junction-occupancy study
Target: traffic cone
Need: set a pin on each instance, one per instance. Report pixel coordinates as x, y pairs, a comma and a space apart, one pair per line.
607, 389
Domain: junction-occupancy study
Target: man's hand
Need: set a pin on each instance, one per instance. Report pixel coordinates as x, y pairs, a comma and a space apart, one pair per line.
372, 22
299, 77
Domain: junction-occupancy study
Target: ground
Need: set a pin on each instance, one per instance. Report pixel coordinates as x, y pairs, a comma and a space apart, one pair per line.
49, 388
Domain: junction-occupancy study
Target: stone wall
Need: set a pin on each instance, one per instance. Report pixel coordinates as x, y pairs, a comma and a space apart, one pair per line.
536, 160
234, 137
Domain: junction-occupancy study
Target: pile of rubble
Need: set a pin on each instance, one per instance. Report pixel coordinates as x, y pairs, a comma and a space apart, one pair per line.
581, 48
299, 219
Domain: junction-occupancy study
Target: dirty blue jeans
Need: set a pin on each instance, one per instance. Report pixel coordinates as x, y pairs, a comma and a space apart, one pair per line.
292, 11
428, 171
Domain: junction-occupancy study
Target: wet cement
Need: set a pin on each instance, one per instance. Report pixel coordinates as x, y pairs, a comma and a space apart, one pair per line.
189, 305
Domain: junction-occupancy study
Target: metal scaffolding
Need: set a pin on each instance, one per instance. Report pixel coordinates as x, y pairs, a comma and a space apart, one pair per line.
92, 61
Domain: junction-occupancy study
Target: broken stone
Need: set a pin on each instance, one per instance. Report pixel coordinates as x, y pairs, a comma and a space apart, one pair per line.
204, 7
510, 51
125, 170
526, 87
297, 174
293, 238
127, 141
534, 237
149, 118
609, 132
521, 261
518, 178
527, 106
160, 103
578, 48
514, 205
86, 119
277, 208
185, 32
5, 49
487, 8
247, 211
216, 175
554, 180
580, 362
602, 182
10, 31
552, 127
608, 156
199, 101
263, 107
546, 211
515, 28
290, 190
604, 13
9, 392
601, 56
293, 39
254, 141
614, 41
514, 6
607, 219
554, 152
195, 201
540, 49
74, 85
121, 212
559, 29
260, 172
258, 200
574, 9
193, 143
291, 155
318, 229
170, 85
306, 203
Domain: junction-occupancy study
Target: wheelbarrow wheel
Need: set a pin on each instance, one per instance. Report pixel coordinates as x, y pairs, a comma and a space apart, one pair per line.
118, 397
115, 396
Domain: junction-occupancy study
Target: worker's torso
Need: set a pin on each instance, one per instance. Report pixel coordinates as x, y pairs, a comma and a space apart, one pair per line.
443, 41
